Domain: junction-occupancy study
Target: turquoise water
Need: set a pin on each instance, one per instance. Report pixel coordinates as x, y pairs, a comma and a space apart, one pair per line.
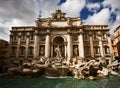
41, 82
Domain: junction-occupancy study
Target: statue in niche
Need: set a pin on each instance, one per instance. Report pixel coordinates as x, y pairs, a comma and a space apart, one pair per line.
57, 50
75, 50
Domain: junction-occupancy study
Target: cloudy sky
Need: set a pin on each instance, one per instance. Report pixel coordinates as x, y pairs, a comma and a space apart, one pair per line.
24, 12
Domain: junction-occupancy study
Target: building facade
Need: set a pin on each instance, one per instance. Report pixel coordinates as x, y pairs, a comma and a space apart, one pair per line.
4, 54
68, 35
116, 42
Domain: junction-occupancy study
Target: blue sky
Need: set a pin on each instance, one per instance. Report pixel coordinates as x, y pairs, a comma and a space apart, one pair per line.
24, 12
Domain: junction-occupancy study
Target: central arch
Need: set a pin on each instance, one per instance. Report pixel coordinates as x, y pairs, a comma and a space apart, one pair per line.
58, 41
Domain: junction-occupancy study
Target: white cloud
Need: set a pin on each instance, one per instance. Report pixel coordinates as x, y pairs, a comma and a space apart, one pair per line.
93, 7
115, 4
73, 7
115, 24
15, 12
101, 17
24, 12
46, 7
115, 8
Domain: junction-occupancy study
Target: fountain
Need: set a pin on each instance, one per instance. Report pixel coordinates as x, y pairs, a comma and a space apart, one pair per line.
61, 67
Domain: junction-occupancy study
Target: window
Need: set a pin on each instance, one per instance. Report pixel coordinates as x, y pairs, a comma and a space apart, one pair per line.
97, 49
87, 49
86, 36
30, 51
23, 37
15, 37
22, 50
106, 49
13, 50
94, 36
31, 37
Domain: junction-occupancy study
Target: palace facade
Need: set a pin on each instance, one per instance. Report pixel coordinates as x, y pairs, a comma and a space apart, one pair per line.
69, 34
116, 42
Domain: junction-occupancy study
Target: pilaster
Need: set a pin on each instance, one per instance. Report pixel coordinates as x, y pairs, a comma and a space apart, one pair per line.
100, 44
47, 45
91, 44
27, 44
18, 45
69, 45
36, 44
81, 44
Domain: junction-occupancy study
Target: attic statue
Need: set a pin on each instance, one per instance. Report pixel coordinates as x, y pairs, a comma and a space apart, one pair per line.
58, 15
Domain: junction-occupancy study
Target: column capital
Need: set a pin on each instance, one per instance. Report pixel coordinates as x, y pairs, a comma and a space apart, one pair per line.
48, 32
99, 33
36, 32
28, 35
108, 33
81, 31
19, 35
68, 32
90, 33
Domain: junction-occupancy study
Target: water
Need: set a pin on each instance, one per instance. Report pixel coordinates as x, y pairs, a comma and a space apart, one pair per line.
41, 82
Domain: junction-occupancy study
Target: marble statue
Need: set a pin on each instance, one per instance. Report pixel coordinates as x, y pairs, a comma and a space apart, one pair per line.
57, 50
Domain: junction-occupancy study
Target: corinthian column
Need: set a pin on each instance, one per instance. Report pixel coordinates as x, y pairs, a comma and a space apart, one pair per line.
69, 45
109, 42
36, 45
91, 44
100, 44
47, 45
81, 45
27, 44
110, 47
18, 45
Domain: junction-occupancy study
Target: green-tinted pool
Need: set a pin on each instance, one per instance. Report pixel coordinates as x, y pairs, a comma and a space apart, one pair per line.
41, 82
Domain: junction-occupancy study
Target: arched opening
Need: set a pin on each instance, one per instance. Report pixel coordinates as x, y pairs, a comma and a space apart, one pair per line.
58, 40
58, 43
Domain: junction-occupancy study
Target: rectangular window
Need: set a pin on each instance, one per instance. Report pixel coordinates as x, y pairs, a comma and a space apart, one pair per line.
86, 36
31, 37
94, 36
15, 37
30, 50
87, 49
23, 37
22, 50
13, 51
